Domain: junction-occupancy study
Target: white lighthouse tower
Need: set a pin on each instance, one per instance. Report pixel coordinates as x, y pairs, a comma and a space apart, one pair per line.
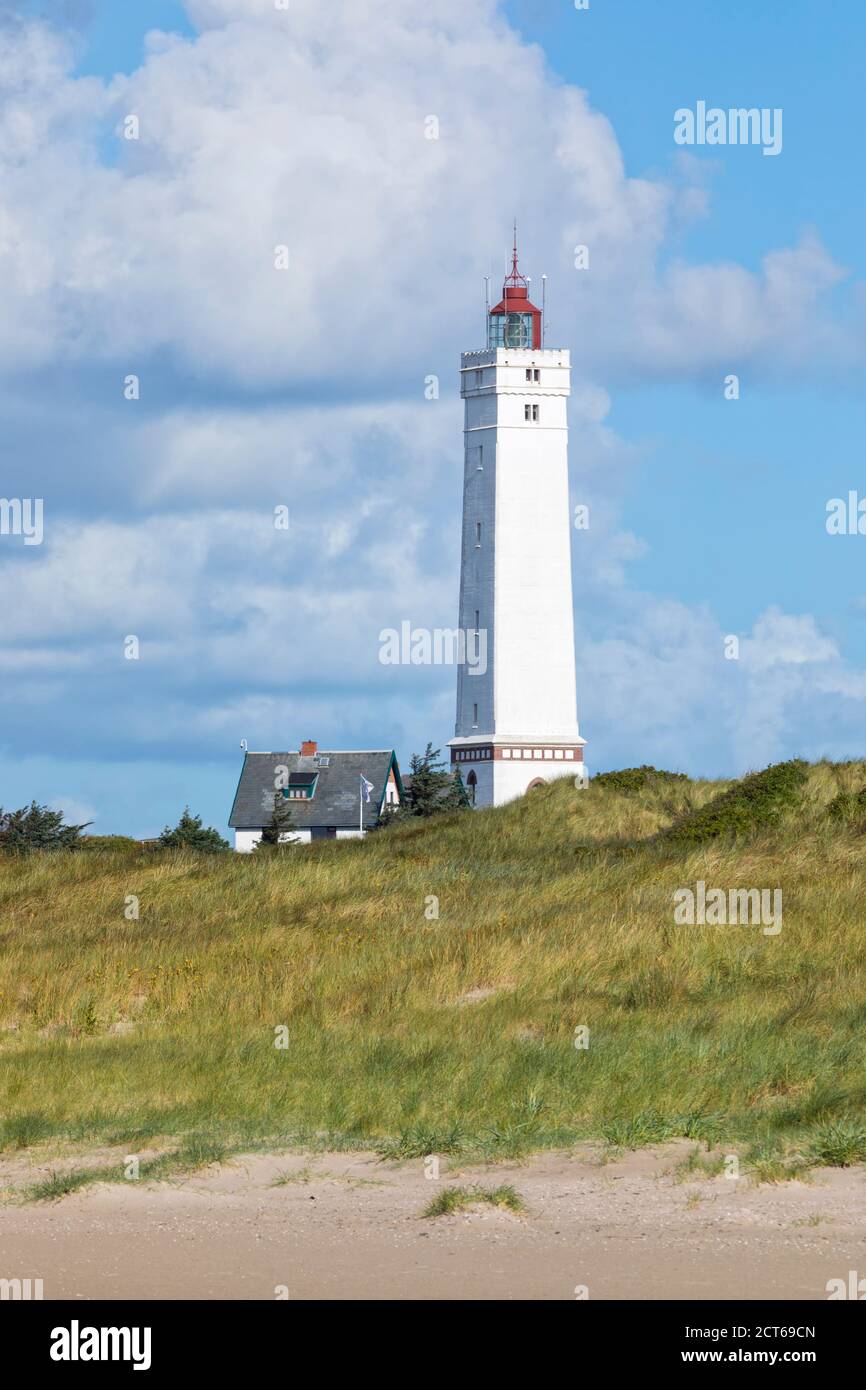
517, 710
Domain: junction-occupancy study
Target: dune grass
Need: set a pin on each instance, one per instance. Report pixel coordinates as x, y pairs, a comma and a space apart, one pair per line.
196, 1151
555, 913
453, 1200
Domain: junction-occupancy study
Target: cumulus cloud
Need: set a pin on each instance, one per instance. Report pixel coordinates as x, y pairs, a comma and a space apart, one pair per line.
301, 128
781, 639
659, 688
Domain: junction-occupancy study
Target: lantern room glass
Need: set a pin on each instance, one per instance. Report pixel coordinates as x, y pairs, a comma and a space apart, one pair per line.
509, 331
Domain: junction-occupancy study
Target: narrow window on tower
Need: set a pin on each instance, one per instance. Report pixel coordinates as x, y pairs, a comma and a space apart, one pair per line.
478, 533
471, 786
477, 616
480, 467
475, 716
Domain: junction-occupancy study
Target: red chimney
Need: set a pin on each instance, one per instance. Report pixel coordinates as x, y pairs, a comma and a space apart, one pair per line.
308, 749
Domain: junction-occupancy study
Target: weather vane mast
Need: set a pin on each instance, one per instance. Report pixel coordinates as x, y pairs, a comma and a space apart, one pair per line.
515, 278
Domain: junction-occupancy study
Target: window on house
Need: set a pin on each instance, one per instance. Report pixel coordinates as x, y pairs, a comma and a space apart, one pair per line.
530, 412
528, 373
479, 377
536, 375
302, 786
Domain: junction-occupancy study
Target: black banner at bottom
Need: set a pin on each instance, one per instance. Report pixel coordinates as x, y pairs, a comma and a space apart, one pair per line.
82, 1339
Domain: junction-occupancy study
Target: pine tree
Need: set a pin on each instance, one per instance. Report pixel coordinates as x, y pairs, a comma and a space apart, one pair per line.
429, 780
37, 827
431, 790
189, 833
457, 797
281, 823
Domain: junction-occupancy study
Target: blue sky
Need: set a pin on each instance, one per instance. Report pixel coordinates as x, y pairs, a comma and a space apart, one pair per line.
152, 257
789, 445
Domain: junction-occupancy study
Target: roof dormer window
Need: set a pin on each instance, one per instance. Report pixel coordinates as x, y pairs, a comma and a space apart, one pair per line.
302, 786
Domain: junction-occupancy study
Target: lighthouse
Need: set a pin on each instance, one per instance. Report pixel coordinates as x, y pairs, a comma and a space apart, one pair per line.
516, 725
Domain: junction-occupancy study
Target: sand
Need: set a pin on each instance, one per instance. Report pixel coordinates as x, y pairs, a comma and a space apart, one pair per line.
348, 1226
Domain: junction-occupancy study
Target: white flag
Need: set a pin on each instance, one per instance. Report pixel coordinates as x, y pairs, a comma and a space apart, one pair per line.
366, 788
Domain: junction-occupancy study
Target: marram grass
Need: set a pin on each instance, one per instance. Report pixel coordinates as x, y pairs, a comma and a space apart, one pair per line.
406, 1033
452, 1201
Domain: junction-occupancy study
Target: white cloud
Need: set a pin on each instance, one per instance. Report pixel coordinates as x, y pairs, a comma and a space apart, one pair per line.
659, 689
302, 456
303, 128
74, 812
780, 639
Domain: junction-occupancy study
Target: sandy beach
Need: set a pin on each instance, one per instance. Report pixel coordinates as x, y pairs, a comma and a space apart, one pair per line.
347, 1226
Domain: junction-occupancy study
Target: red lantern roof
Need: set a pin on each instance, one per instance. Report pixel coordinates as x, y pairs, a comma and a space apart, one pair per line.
515, 297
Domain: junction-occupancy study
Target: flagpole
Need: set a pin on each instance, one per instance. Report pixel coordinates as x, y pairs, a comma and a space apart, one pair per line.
361, 807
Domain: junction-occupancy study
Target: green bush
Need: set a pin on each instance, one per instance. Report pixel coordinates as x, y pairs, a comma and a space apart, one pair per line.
190, 833
109, 842
849, 808
634, 779
759, 800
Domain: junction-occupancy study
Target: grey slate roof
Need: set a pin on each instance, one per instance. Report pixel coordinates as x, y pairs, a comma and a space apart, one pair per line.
336, 801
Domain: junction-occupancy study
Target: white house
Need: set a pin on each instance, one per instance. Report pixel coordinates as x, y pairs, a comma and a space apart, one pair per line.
333, 795
517, 716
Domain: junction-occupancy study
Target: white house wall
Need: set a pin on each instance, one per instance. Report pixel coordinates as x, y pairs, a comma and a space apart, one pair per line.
246, 840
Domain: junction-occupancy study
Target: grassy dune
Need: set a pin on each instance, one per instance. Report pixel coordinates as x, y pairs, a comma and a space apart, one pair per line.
457, 1034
